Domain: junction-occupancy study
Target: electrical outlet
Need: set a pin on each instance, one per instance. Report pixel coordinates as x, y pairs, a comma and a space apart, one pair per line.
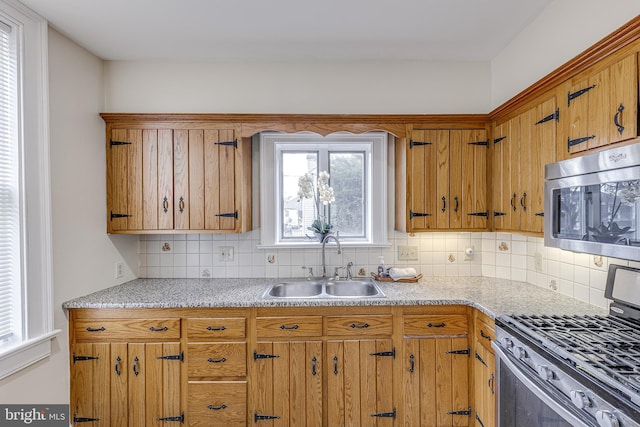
226, 253
407, 253
119, 270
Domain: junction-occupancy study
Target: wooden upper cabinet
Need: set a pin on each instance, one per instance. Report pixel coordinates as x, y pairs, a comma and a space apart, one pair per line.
177, 177
446, 179
599, 107
522, 146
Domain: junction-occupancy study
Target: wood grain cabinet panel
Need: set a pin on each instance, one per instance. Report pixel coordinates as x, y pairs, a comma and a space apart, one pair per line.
288, 326
359, 325
107, 330
217, 360
217, 403
435, 325
216, 328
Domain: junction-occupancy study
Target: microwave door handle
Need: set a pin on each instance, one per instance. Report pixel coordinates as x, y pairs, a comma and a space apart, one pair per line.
536, 390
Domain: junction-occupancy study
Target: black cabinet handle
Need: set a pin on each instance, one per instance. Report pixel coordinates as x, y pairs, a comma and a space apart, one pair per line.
100, 329
289, 328
616, 119
457, 204
154, 329
513, 202
412, 363
136, 361
314, 361
363, 326
211, 328
222, 360
483, 335
444, 204
217, 408
335, 365
118, 361
523, 201
436, 325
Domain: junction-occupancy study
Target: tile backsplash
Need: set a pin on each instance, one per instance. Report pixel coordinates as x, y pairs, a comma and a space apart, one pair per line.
501, 255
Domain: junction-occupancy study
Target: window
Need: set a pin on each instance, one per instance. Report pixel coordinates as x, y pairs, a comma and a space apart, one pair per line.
358, 213
26, 318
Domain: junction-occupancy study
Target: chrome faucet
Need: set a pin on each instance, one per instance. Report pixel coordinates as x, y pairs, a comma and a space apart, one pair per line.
349, 275
324, 242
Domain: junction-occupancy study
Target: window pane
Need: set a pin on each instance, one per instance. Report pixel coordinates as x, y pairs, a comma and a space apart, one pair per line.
348, 213
296, 214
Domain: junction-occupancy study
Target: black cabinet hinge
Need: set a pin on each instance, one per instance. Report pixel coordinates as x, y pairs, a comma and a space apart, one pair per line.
228, 215
577, 141
483, 143
495, 213
479, 420
112, 143
391, 353
391, 414
413, 143
118, 215
257, 356
466, 412
553, 116
413, 214
257, 417
481, 359
179, 357
466, 351
500, 139
484, 214
83, 358
83, 419
539, 214
571, 96
233, 143
177, 418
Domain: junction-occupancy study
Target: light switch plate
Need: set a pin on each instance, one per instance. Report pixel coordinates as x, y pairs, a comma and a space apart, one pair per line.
407, 253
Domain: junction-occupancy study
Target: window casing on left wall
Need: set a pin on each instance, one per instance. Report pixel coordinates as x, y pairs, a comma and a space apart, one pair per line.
26, 315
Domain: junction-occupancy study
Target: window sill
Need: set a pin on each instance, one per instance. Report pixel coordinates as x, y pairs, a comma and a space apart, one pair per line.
25, 354
317, 245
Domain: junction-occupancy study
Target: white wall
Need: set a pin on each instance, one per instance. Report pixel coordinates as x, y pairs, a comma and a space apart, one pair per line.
358, 87
83, 254
563, 30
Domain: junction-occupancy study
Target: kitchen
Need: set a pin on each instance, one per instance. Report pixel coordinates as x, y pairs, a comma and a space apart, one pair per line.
85, 255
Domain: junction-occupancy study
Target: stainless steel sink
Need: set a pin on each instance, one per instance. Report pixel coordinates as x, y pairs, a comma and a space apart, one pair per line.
317, 289
353, 288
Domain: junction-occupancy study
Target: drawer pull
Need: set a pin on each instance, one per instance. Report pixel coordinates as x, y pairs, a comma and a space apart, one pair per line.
436, 325
101, 329
210, 360
363, 326
118, 361
335, 365
289, 328
313, 366
154, 329
483, 335
135, 366
211, 328
217, 408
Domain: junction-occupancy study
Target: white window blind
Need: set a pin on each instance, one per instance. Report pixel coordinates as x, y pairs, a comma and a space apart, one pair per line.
10, 228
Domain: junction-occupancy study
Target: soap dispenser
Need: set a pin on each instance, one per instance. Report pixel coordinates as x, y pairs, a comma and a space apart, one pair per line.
382, 270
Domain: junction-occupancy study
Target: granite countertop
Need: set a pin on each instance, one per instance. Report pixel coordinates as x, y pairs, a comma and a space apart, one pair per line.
494, 297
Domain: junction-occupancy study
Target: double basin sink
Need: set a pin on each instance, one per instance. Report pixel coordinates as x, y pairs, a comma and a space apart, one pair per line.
326, 288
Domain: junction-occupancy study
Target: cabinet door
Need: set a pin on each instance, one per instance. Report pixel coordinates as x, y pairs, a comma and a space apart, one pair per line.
221, 209
484, 389
288, 387
470, 178
90, 386
359, 378
422, 170
124, 180
435, 382
154, 384
507, 176
188, 179
623, 100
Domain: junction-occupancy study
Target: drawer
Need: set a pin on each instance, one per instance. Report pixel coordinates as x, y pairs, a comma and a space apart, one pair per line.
485, 334
215, 328
431, 325
126, 329
219, 403
359, 325
288, 326
217, 360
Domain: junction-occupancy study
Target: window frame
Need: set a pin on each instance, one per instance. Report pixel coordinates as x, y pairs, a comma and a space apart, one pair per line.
33, 138
271, 147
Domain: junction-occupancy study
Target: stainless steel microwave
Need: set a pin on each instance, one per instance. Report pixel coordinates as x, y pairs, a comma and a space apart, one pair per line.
592, 203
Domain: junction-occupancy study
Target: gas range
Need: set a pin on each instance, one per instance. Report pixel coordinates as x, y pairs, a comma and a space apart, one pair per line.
589, 366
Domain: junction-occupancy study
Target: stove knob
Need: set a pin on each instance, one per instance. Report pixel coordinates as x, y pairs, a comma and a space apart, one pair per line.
607, 419
508, 344
545, 372
520, 352
579, 399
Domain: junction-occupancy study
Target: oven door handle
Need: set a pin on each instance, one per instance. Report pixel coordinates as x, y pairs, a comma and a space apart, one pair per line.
538, 391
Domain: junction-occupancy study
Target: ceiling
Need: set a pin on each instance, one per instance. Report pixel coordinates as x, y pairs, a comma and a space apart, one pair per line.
439, 30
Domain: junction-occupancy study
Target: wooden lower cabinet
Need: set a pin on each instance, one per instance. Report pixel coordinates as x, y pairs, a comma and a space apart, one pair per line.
125, 384
435, 382
310, 367
359, 383
287, 384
